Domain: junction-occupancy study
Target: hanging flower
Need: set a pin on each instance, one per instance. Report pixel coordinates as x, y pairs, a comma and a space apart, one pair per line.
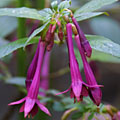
78, 87
31, 102
94, 92
32, 68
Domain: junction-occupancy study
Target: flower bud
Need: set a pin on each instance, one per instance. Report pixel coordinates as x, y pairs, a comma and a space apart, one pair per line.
48, 34
66, 18
60, 34
74, 29
53, 28
51, 43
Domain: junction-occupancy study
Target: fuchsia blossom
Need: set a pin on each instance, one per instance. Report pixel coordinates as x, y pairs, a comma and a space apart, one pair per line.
78, 87
32, 68
44, 84
31, 101
84, 42
94, 92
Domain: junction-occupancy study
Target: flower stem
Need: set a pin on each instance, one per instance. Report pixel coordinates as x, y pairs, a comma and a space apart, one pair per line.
21, 33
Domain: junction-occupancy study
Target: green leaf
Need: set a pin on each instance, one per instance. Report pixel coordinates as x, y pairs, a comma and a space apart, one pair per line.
37, 31
10, 47
103, 57
94, 5
7, 25
67, 100
46, 13
16, 81
64, 4
104, 45
85, 16
97, 55
21, 12
110, 30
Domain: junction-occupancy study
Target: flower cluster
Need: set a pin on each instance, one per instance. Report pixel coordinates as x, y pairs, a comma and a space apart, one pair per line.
38, 72
78, 87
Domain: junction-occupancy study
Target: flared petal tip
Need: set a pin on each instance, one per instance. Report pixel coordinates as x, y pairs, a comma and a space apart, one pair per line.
64, 91
17, 102
97, 102
49, 114
96, 95
78, 99
10, 104
26, 114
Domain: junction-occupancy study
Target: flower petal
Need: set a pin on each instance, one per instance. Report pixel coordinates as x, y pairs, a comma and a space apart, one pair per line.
34, 110
32, 68
29, 104
22, 108
64, 91
84, 91
17, 102
96, 95
77, 88
43, 108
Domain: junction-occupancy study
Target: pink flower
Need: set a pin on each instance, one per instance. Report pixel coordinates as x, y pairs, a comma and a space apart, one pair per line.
78, 87
31, 102
94, 91
84, 42
32, 68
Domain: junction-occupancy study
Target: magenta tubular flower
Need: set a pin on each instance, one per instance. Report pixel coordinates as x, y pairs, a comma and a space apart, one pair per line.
94, 91
78, 87
85, 44
32, 68
31, 101
45, 73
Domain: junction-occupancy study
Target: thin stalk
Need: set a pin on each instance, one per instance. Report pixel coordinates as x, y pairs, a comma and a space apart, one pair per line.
21, 33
